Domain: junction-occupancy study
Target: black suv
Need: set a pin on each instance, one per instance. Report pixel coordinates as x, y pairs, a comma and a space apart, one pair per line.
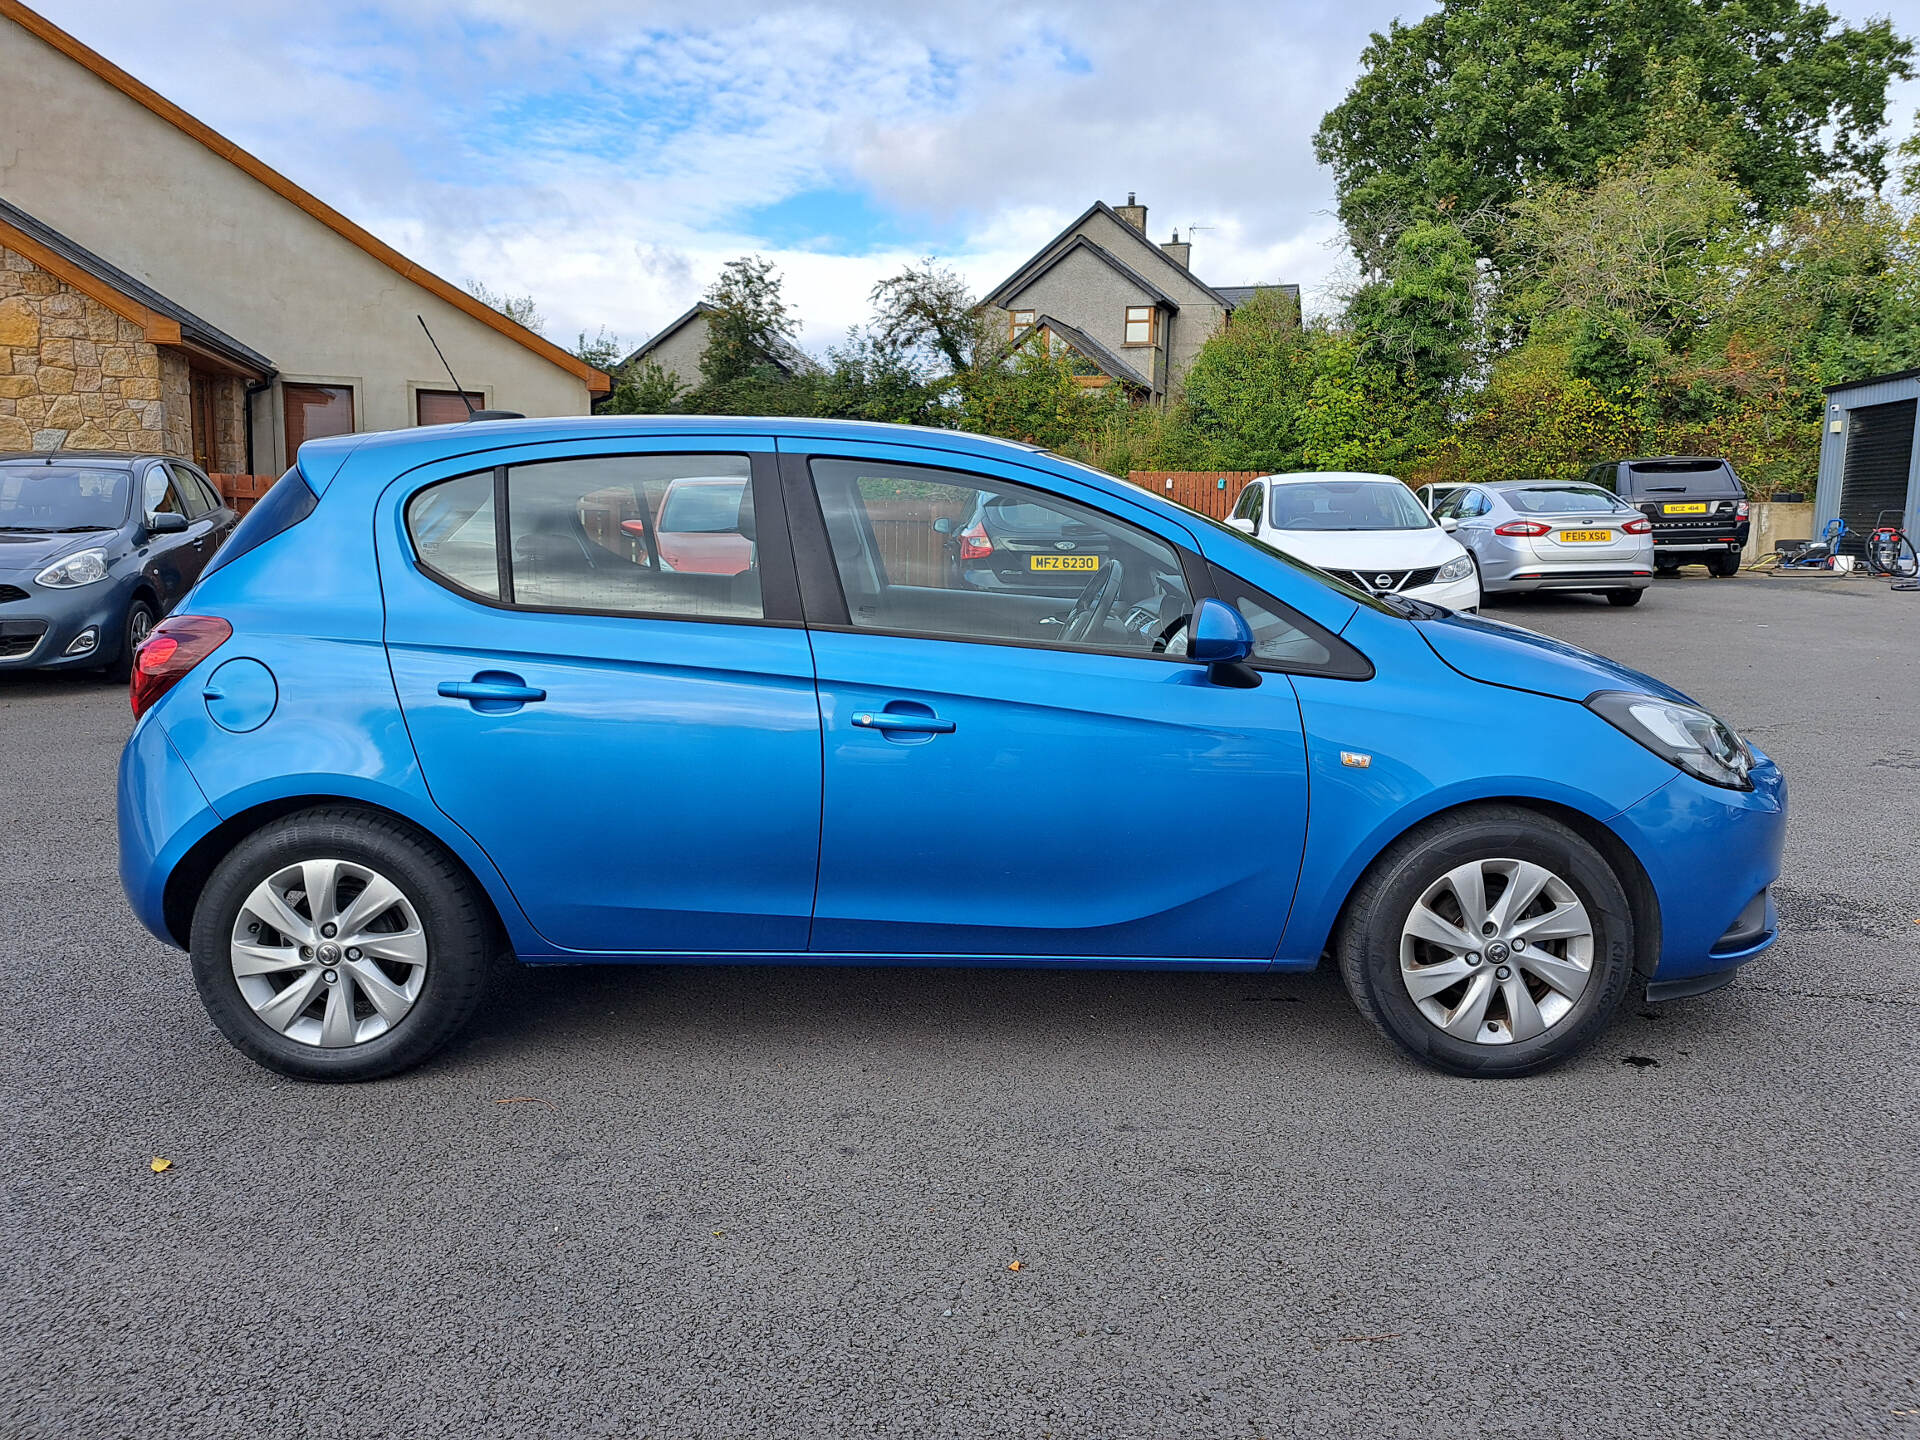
1696, 503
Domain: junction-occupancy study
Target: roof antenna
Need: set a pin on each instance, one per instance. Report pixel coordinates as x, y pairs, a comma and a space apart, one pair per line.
458, 389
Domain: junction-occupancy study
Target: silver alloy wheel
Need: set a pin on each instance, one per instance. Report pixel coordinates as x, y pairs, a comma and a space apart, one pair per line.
142, 625
1497, 951
329, 953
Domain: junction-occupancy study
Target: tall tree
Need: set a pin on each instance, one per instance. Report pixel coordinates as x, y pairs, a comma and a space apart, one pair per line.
1421, 318
749, 325
928, 308
1456, 113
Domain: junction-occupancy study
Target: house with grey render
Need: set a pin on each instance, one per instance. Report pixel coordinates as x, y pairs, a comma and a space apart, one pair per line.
1132, 312
677, 347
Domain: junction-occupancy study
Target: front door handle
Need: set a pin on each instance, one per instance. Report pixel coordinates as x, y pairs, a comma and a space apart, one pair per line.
893, 720
492, 690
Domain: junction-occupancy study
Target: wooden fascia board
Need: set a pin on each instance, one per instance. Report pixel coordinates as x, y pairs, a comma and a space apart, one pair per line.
52, 35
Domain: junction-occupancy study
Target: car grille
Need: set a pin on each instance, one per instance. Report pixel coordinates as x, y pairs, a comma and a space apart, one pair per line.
11, 592
18, 637
1388, 582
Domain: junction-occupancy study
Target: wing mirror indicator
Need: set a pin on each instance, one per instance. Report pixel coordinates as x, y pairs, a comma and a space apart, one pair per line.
1222, 640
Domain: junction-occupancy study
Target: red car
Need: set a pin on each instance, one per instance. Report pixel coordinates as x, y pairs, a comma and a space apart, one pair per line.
698, 529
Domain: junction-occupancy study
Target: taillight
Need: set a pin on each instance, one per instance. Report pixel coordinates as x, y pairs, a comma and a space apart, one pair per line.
1521, 527
974, 544
176, 645
1638, 527
1740, 510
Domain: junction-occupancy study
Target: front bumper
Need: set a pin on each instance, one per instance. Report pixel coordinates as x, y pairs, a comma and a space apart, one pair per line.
38, 633
1711, 855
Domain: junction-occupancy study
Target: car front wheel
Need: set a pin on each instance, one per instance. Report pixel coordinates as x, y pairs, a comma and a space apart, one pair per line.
1491, 941
138, 625
337, 944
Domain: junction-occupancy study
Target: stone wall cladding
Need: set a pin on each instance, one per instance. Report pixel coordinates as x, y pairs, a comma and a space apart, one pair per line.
73, 375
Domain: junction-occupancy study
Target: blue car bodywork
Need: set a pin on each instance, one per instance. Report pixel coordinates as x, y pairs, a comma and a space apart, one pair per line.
714, 792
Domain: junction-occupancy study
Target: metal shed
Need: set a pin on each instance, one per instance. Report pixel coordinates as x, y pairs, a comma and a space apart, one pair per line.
1868, 463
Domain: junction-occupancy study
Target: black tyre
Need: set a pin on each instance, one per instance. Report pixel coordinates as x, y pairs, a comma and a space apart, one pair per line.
1624, 597
1723, 565
338, 944
1503, 1008
1666, 567
135, 628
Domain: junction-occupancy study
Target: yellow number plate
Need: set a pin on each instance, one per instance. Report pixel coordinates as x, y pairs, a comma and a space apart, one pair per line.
1684, 509
1063, 562
1586, 537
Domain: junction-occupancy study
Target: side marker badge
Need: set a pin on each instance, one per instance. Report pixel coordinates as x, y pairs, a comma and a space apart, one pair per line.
1355, 759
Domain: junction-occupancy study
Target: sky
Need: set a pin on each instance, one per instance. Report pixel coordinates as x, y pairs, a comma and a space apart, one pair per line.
608, 159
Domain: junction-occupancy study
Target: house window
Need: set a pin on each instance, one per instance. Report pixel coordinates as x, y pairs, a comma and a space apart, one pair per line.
1018, 320
444, 407
1142, 324
316, 410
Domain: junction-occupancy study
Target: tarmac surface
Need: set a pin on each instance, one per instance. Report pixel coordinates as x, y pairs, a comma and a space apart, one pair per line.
787, 1202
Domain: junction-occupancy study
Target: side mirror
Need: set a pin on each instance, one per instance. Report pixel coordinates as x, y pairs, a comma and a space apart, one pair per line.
1449, 524
943, 526
1242, 524
166, 523
1221, 639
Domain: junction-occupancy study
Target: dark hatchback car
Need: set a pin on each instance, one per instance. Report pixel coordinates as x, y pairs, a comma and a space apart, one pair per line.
1696, 503
1006, 544
95, 547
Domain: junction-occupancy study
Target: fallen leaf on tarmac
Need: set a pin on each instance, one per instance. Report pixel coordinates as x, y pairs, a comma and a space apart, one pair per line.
1014, 1266
719, 1234
527, 1100
160, 1162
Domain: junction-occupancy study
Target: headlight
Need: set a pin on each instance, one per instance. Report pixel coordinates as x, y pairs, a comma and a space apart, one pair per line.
83, 568
1458, 568
1697, 742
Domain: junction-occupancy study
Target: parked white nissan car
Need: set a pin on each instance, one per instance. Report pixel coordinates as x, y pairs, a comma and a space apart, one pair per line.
1368, 530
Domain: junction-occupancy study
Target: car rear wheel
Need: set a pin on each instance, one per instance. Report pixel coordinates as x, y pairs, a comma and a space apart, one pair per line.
1491, 941
139, 625
1721, 566
338, 944
1666, 567
1624, 597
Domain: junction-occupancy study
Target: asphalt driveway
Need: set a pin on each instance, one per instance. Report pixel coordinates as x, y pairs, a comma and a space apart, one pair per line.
753, 1202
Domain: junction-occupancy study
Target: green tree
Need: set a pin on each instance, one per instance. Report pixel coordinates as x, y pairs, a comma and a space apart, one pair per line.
1454, 115
521, 309
749, 325
1421, 320
927, 309
643, 389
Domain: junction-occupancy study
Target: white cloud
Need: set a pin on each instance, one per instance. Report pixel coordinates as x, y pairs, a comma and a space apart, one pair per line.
609, 159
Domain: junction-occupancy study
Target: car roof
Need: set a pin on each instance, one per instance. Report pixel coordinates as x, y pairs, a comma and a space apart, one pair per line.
91, 457
1301, 477
1538, 480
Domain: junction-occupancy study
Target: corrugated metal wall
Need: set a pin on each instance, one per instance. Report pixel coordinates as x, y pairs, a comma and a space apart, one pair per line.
1838, 429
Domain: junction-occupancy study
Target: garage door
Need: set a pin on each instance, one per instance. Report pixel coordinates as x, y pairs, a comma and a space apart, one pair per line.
1879, 459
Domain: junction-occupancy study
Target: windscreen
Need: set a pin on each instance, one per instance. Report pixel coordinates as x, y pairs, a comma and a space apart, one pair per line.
1346, 505
59, 498
1563, 500
1684, 477
702, 509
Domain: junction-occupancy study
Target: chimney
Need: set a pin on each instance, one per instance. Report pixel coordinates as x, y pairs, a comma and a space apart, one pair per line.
1133, 213
1178, 252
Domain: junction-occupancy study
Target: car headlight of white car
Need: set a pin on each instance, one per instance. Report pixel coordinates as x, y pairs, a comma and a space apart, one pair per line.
83, 567
1458, 568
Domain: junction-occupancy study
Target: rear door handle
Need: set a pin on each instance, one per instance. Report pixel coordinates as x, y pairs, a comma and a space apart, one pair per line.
922, 724
495, 688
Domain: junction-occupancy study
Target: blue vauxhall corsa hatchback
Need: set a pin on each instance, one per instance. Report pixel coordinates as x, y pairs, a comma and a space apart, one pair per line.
443, 696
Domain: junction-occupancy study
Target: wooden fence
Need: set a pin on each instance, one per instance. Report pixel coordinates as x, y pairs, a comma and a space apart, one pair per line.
242, 492
1211, 492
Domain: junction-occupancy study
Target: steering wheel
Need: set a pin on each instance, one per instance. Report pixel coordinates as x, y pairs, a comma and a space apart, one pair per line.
1090, 609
